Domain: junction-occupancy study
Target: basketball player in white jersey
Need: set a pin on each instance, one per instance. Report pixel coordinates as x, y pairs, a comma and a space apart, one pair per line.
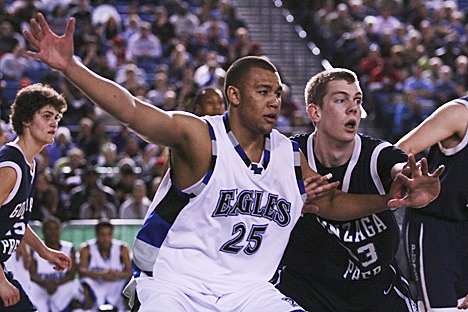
104, 268
437, 235
51, 290
235, 187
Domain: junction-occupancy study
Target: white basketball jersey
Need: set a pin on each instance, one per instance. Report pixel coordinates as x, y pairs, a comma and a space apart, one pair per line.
45, 269
234, 231
98, 263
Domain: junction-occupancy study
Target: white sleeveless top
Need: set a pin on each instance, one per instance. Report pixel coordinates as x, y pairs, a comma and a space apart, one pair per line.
234, 231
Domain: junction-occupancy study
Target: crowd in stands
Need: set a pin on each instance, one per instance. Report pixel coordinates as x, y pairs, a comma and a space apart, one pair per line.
161, 51
411, 56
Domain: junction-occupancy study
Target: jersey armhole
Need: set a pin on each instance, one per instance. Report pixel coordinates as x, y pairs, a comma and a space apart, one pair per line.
18, 179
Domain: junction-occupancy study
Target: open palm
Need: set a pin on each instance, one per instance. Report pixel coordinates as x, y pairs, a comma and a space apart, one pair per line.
55, 51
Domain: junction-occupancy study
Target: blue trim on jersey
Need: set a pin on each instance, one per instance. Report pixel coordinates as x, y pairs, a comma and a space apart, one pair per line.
266, 152
154, 230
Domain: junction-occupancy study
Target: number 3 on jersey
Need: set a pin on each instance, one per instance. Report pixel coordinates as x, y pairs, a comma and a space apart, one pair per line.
253, 239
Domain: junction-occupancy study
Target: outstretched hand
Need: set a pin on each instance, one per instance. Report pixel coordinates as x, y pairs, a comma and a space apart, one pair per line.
315, 187
55, 51
464, 304
415, 187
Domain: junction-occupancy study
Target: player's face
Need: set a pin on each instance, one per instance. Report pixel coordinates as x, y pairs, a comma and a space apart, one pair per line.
261, 100
44, 124
211, 104
104, 238
52, 232
340, 114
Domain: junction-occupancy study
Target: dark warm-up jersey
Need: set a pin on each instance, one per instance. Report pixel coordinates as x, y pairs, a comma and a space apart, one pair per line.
346, 265
452, 202
16, 210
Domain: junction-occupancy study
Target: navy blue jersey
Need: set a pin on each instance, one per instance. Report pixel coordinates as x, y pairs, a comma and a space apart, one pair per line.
452, 203
340, 260
16, 210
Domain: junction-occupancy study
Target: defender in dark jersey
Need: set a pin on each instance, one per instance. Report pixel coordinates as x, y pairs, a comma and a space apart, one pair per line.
36, 113
437, 235
345, 266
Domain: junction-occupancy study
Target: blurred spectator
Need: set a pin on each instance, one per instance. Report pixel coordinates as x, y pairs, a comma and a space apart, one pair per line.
143, 45
413, 47
69, 166
147, 162
131, 148
98, 207
46, 198
204, 10
450, 50
102, 12
78, 105
461, 71
163, 29
81, 11
15, 64
22, 11
368, 63
400, 61
242, 45
137, 204
445, 86
90, 183
210, 73
115, 55
215, 25
132, 79
180, 59
58, 18
132, 26
62, 144
385, 19
107, 156
109, 30
84, 137
424, 88
208, 101
158, 88
429, 39
51, 290
197, 45
433, 72
183, 20
288, 108
104, 268
232, 20
9, 39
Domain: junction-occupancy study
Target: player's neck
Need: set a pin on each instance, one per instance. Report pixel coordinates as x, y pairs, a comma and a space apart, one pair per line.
332, 153
29, 148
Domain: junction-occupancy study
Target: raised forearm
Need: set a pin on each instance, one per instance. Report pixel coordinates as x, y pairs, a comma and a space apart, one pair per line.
105, 93
342, 206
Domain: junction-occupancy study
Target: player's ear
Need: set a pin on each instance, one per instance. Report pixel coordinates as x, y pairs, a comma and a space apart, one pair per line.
233, 95
313, 111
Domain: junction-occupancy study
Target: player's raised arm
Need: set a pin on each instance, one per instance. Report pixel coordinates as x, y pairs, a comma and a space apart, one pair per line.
153, 124
449, 120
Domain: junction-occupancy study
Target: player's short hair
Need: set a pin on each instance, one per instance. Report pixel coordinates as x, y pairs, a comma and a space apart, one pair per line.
238, 72
29, 100
104, 223
316, 87
198, 98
